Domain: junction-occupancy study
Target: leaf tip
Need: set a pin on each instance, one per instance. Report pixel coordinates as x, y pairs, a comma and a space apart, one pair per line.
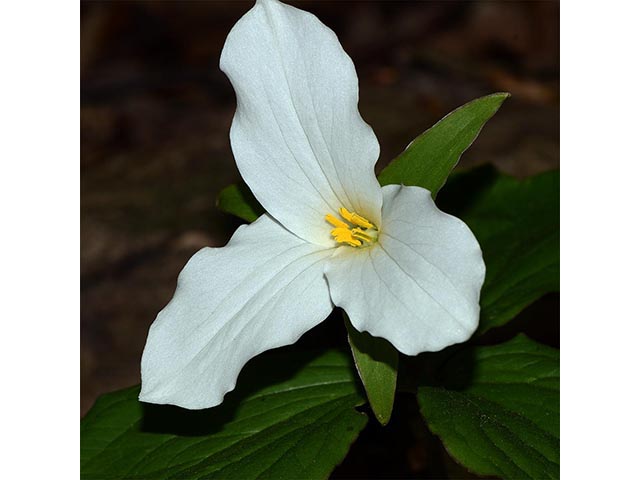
500, 96
383, 419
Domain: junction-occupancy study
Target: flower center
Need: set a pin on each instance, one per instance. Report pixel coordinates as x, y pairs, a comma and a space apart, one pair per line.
359, 232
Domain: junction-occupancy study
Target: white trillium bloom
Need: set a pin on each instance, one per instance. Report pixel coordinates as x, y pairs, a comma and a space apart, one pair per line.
401, 269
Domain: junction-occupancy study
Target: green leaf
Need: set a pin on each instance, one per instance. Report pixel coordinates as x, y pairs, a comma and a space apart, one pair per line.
238, 200
377, 363
498, 412
517, 223
290, 417
429, 159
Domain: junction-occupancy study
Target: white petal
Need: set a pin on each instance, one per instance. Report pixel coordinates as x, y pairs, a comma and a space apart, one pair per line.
297, 135
419, 287
263, 290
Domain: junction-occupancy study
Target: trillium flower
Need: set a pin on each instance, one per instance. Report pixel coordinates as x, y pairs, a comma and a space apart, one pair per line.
332, 236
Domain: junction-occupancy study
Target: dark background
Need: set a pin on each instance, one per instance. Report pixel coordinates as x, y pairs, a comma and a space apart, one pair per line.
155, 118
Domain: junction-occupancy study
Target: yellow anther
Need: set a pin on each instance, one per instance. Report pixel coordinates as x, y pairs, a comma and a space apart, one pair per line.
362, 234
335, 222
354, 218
344, 235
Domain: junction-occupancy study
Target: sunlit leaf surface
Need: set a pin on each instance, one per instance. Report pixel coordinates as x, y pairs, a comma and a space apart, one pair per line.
429, 159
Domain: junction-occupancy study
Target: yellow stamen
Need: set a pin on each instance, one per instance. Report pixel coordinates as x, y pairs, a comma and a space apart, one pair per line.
343, 235
354, 218
363, 232
335, 222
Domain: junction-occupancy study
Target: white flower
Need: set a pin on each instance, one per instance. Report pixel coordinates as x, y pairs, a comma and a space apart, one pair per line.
401, 269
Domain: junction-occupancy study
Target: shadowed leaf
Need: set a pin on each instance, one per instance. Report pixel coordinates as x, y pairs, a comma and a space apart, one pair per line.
292, 416
498, 411
377, 363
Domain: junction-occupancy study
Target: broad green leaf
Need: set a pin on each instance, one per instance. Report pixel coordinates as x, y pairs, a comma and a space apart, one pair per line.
291, 416
498, 412
238, 200
517, 223
377, 363
429, 159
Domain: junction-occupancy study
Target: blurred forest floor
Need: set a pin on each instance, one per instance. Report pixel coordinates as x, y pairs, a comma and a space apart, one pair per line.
156, 113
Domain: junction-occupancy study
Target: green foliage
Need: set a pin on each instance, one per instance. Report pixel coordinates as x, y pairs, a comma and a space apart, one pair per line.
517, 223
497, 410
290, 417
238, 200
377, 363
429, 159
